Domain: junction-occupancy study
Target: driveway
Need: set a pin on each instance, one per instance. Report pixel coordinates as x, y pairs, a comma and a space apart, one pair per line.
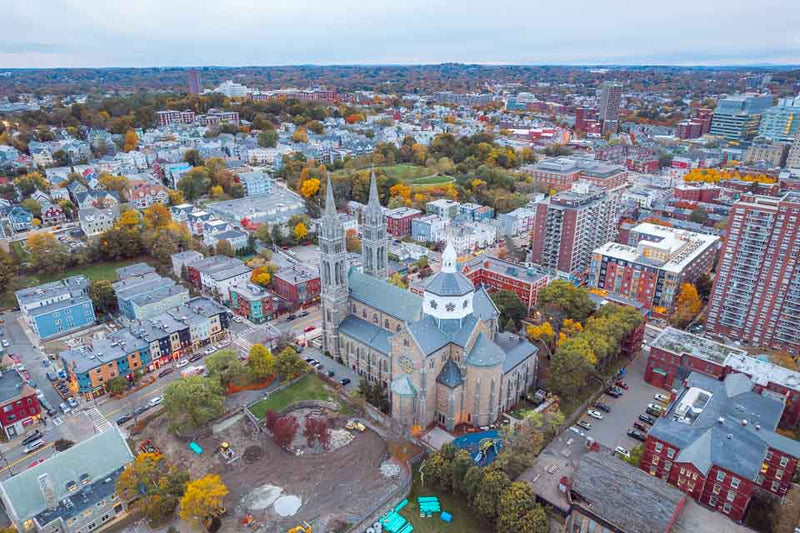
329, 363
611, 431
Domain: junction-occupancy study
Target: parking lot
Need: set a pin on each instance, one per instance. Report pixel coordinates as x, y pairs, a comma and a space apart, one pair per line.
612, 430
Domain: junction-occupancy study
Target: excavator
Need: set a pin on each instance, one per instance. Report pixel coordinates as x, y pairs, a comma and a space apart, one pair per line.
304, 528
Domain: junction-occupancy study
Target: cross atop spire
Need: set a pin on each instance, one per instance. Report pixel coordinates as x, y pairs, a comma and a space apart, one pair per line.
330, 204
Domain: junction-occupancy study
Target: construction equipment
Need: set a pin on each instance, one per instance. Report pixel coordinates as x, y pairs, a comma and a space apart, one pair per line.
227, 453
303, 528
147, 446
354, 425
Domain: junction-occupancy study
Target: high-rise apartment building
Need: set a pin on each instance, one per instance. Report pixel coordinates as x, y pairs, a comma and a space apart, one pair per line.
737, 117
608, 113
570, 224
793, 161
781, 122
195, 85
756, 294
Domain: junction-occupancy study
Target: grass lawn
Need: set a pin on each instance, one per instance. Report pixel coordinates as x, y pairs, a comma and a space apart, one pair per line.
431, 180
406, 172
464, 521
95, 271
309, 387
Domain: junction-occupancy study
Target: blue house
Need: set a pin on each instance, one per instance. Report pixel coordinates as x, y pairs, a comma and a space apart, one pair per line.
20, 218
58, 307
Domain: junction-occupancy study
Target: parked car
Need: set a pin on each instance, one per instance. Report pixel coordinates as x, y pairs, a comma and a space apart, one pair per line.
168, 370
6, 344
33, 446
345, 381
623, 452
308, 360
661, 398
195, 357
302, 314
655, 407
595, 414
636, 434
331, 373
156, 400
209, 350
648, 419
614, 392
290, 318
584, 424
64, 408
36, 435
314, 363
238, 319
141, 409
122, 419
622, 385
182, 363
309, 328
602, 407
653, 412
640, 427
72, 402
36, 462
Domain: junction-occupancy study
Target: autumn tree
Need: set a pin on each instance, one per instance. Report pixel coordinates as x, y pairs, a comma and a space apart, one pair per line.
782, 358
516, 502
8, 271
152, 486
300, 231
117, 184
203, 498
486, 501
310, 187
687, 305
569, 368
176, 197
317, 430
261, 276
300, 135
260, 361
224, 247
288, 364
47, 254
30, 183
157, 216
561, 299
284, 431
543, 333
397, 280
352, 242
131, 141
193, 157
268, 139
195, 183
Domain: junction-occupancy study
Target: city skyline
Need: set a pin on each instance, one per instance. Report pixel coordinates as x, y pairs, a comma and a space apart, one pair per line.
244, 33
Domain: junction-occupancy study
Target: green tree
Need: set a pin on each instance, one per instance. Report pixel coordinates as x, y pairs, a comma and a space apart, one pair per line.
47, 254
703, 284
511, 308
288, 364
514, 503
225, 366
193, 157
268, 139
569, 369
459, 466
473, 480
103, 296
438, 472
116, 385
8, 271
260, 361
30, 183
193, 401
636, 456
33, 206
561, 299
494, 484
699, 215
396, 279
195, 183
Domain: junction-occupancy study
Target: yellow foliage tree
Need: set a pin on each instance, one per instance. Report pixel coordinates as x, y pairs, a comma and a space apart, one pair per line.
261, 276
310, 187
300, 230
570, 327
131, 141
157, 216
687, 304
216, 191
783, 359
401, 190
300, 135
542, 333
203, 498
129, 219
175, 197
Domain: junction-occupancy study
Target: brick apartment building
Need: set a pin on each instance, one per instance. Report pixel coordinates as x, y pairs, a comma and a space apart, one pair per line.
560, 173
675, 353
298, 284
497, 274
717, 442
652, 267
570, 224
171, 116
398, 221
756, 293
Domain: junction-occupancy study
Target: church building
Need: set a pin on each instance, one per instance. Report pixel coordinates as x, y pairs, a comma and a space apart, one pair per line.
440, 356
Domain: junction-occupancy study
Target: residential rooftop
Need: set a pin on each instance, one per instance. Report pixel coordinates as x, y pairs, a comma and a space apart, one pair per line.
679, 342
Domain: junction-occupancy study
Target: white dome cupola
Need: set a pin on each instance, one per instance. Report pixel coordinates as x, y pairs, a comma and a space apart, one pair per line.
448, 294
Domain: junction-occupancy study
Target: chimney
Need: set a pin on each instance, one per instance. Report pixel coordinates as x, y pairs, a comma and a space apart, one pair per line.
46, 486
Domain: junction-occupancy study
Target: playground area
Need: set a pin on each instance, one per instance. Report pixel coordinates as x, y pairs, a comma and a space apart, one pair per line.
277, 489
483, 447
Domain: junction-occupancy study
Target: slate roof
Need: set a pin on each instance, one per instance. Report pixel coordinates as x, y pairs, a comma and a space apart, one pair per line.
733, 430
366, 333
99, 456
482, 305
449, 284
517, 349
485, 352
385, 297
450, 375
625, 496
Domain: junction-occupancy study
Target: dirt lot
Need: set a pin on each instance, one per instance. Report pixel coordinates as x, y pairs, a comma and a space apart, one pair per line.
341, 484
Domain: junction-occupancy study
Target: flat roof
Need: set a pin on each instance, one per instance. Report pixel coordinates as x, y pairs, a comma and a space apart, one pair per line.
680, 342
494, 264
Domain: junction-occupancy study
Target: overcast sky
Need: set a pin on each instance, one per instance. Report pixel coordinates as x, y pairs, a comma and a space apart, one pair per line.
109, 33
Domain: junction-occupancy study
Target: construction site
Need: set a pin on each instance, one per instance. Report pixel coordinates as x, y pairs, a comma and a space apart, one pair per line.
275, 490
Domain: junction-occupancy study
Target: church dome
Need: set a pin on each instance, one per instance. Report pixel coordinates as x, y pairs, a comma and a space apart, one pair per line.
448, 294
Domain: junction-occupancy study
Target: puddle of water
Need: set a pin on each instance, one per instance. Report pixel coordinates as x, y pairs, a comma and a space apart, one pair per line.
287, 505
262, 497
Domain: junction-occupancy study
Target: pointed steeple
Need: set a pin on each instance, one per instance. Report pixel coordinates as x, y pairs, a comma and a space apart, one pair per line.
373, 202
330, 204
449, 258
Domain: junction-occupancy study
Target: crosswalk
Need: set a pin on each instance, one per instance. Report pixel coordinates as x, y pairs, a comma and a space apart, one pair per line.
100, 422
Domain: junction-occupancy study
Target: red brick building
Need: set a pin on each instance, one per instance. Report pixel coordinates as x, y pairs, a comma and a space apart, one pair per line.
560, 173
398, 221
756, 293
717, 442
298, 285
675, 353
19, 406
495, 274
697, 193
